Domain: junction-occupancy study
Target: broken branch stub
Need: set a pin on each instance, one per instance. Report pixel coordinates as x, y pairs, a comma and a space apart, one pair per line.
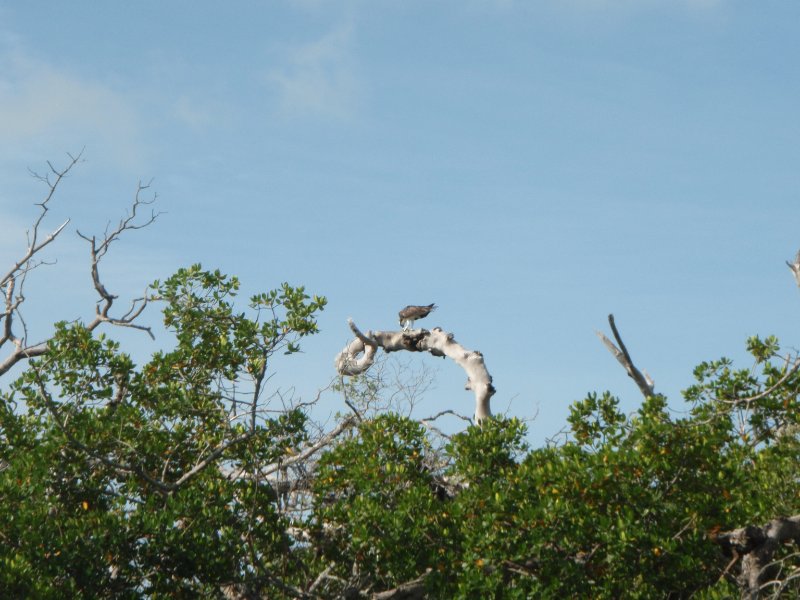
795, 267
644, 382
359, 355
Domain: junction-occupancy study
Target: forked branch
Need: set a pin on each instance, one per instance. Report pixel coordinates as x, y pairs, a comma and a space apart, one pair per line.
35, 244
12, 326
98, 249
643, 381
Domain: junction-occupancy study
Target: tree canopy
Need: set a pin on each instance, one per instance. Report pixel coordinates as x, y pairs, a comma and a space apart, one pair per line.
177, 478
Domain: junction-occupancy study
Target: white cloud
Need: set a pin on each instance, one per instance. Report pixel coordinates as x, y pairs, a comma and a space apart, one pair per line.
189, 111
41, 104
320, 77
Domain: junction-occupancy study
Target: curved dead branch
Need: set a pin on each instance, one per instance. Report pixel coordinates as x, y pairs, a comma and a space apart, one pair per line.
359, 355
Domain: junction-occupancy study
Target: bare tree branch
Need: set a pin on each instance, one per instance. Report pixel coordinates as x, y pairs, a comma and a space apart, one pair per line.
98, 249
409, 590
12, 282
795, 267
643, 381
34, 245
436, 342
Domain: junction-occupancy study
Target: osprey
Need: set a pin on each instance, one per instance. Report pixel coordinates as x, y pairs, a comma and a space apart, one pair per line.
411, 313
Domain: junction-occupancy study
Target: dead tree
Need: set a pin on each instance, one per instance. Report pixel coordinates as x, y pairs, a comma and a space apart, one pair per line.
13, 329
359, 355
756, 546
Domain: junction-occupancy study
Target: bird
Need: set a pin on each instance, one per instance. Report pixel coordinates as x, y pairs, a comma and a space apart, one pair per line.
411, 313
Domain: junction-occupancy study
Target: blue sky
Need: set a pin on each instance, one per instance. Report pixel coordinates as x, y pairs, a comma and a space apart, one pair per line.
528, 166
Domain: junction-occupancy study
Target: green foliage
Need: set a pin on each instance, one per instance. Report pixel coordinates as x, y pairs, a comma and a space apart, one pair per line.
629, 508
374, 495
132, 481
121, 473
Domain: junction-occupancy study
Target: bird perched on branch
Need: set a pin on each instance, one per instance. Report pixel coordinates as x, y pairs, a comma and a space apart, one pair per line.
411, 313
